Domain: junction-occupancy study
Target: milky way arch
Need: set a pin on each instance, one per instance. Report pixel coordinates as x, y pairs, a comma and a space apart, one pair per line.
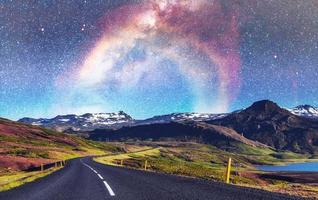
199, 37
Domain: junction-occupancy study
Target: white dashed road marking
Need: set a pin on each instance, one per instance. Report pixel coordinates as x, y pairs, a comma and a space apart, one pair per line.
109, 189
100, 176
111, 192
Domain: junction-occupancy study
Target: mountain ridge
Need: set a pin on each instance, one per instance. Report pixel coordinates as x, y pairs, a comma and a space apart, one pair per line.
266, 122
200, 132
305, 111
90, 121
83, 122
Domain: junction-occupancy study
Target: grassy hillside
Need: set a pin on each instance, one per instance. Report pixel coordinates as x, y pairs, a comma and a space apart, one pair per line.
208, 162
23, 147
188, 158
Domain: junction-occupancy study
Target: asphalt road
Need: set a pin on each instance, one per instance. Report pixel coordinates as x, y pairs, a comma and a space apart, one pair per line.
84, 179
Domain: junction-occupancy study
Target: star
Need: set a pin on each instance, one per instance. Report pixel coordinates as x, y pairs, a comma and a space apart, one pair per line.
151, 57
83, 27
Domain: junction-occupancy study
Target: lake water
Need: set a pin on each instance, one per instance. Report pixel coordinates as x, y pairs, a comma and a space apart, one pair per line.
299, 167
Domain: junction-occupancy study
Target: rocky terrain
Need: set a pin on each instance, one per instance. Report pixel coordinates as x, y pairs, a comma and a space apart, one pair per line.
88, 121
305, 111
272, 125
91, 121
263, 122
200, 132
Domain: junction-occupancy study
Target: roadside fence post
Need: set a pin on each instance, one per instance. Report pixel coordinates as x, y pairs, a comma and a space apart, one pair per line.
228, 171
146, 162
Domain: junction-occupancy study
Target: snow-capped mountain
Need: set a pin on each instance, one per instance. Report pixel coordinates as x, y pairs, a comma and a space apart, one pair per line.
91, 121
88, 121
177, 117
305, 111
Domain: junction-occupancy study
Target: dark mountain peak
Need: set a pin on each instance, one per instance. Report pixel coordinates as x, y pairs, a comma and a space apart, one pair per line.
265, 106
122, 113
64, 116
305, 106
268, 123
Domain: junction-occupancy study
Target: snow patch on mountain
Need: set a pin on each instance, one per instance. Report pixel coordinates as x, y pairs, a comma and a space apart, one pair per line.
177, 117
305, 111
91, 121
88, 121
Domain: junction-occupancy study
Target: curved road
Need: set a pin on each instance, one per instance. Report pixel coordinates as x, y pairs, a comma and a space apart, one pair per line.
84, 179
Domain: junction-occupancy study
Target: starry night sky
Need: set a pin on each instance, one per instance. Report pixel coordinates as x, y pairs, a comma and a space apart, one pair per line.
150, 57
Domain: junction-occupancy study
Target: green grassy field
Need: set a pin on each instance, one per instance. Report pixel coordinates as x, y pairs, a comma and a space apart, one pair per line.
209, 162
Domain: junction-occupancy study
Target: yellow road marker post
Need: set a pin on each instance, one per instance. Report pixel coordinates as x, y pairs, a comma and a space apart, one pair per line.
228, 171
146, 163
42, 168
121, 162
